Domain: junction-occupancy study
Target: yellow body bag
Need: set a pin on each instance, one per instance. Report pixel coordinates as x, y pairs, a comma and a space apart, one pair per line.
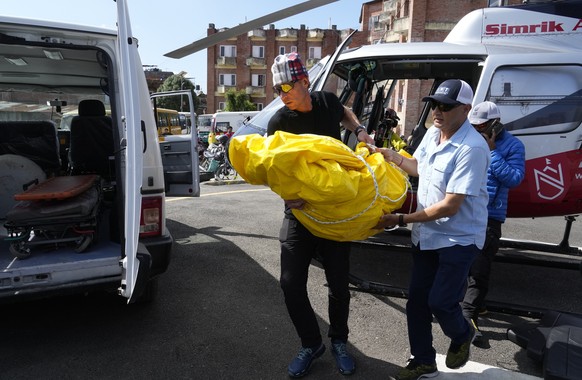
346, 192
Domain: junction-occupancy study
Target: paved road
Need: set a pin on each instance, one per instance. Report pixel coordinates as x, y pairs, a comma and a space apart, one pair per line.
220, 314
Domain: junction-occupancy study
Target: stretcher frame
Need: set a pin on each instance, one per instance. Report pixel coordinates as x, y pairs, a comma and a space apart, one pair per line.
59, 230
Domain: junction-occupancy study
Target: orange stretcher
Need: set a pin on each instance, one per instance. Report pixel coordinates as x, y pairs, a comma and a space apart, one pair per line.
58, 188
57, 212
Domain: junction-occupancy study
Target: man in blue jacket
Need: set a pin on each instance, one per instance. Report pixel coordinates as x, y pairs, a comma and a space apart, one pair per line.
506, 170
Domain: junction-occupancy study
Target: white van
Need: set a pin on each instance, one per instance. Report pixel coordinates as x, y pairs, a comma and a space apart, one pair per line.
204, 125
222, 120
93, 214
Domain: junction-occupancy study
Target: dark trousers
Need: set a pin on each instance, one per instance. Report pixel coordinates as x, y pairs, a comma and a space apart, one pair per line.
478, 280
436, 288
298, 248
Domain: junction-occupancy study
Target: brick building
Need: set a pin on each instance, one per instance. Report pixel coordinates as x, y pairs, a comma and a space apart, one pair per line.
244, 62
402, 21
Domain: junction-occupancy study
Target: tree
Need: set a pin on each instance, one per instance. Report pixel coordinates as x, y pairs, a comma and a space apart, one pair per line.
238, 101
179, 103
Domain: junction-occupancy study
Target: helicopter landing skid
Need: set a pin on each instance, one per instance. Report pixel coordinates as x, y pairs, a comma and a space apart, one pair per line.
559, 256
563, 247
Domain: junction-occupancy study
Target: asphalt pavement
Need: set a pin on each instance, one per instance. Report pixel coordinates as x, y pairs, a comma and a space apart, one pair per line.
219, 312
378, 326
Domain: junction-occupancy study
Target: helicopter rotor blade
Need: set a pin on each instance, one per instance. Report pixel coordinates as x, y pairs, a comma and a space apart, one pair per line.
245, 27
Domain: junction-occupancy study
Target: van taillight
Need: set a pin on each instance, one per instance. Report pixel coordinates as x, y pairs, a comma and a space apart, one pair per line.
150, 222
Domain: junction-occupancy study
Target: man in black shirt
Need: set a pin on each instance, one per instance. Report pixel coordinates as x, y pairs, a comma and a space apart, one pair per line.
319, 113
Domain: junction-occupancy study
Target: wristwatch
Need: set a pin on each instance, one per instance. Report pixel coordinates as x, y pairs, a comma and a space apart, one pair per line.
359, 129
401, 220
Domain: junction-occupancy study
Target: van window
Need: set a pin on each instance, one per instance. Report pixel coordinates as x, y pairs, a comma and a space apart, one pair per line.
538, 99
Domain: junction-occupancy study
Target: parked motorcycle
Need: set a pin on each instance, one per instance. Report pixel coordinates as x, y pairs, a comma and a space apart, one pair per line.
214, 160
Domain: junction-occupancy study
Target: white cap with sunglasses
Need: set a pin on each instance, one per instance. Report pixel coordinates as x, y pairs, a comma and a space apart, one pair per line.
452, 92
287, 69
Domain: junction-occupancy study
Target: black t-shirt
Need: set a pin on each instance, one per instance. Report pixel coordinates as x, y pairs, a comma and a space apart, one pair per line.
323, 119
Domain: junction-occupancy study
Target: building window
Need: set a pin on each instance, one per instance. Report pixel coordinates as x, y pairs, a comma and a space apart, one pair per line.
258, 80
374, 23
227, 79
315, 52
406, 8
281, 50
221, 106
258, 51
259, 106
293, 49
227, 50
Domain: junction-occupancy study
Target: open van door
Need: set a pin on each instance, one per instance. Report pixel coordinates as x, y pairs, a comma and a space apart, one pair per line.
132, 166
180, 153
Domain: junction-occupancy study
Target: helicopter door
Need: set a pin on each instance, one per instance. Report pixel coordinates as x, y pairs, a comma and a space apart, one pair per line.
319, 82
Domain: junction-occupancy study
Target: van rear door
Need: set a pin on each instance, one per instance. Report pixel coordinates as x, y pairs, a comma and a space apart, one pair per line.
180, 153
130, 67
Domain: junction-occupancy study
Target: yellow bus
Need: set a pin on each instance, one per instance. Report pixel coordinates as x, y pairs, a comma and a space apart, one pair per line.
168, 122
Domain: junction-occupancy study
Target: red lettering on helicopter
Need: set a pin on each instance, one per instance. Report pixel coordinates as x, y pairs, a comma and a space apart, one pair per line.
543, 27
549, 181
578, 25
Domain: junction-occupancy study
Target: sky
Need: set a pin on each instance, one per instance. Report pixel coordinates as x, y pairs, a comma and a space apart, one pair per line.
181, 22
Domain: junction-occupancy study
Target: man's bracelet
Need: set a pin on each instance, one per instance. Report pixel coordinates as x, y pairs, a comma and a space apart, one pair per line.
358, 129
401, 160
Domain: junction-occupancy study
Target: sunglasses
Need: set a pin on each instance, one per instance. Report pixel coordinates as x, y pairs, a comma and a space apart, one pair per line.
443, 107
284, 87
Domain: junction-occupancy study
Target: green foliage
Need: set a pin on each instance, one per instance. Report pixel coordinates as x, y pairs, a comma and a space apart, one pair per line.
238, 101
173, 83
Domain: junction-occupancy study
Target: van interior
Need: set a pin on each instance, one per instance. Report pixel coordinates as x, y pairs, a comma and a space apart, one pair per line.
41, 84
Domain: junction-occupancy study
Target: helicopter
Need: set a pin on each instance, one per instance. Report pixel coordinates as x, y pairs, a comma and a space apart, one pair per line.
524, 58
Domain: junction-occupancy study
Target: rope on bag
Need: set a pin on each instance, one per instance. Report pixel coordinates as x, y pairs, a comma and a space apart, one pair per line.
376, 187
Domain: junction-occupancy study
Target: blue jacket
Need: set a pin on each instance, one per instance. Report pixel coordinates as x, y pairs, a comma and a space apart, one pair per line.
506, 170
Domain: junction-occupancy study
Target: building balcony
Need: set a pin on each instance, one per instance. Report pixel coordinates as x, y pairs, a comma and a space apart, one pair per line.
315, 34
256, 62
287, 33
401, 25
226, 61
255, 90
385, 17
221, 90
391, 37
389, 5
256, 34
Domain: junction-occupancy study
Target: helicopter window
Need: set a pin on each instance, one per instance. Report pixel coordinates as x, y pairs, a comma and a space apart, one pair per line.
538, 99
